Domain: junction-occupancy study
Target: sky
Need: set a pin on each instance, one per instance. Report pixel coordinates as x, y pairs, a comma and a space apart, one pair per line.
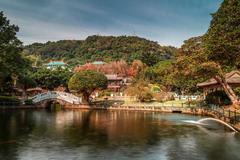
169, 22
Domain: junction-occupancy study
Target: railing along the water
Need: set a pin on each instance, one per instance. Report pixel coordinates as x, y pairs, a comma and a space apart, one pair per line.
232, 117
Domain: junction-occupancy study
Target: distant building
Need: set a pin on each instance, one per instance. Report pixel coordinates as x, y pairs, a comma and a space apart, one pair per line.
98, 63
56, 64
115, 83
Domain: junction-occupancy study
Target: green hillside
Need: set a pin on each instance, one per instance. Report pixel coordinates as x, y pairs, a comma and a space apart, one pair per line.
105, 48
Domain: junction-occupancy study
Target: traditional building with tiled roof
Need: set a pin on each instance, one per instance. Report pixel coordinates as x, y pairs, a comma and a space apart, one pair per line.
211, 85
56, 64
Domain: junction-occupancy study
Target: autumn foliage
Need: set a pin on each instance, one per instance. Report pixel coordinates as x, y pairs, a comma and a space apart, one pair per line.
120, 68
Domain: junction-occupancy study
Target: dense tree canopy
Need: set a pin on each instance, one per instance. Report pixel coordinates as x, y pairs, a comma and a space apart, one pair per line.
221, 44
105, 48
222, 41
115, 67
51, 79
161, 73
12, 63
85, 82
189, 58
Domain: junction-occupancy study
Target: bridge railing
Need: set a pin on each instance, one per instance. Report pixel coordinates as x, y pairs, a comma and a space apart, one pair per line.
57, 95
232, 116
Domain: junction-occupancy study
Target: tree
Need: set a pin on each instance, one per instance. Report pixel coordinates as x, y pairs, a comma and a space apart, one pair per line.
161, 73
222, 49
115, 67
186, 67
86, 82
12, 63
140, 90
51, 79
136, 67
96, 48
215, 53
25, 82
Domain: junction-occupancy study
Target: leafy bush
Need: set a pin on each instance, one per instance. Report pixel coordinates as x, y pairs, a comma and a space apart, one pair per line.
140, 90
237, 91
163, 96
28, 102
105, 92
155, 89
9, 100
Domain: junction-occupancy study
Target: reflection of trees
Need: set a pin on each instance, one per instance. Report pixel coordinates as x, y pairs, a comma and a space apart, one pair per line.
105, 132
15, 126
107, 128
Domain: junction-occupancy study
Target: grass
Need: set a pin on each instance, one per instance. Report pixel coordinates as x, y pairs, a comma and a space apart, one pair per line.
133, 102
174, 103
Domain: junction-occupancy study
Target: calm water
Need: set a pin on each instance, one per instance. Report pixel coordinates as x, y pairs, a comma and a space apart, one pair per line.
110, 135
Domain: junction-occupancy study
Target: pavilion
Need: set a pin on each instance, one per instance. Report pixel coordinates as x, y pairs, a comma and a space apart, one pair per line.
211, 85
114, 82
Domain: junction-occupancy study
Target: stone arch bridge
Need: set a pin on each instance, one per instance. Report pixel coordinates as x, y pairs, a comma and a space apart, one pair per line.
60, 97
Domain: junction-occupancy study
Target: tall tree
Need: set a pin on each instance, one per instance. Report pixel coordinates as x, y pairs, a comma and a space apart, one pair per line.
85, 82
51, 79
161, 73
222, 44
12, 64
186, 67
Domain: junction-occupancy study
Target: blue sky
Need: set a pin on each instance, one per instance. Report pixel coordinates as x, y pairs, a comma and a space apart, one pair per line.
168, 22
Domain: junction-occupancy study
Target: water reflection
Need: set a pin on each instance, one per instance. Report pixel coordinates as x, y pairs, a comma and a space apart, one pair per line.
100, 135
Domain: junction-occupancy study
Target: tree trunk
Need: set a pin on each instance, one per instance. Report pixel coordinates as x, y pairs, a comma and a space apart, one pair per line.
24, 95
228, 90
85, 98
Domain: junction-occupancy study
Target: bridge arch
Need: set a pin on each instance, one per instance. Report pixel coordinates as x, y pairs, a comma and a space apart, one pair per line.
57, 96
201, 121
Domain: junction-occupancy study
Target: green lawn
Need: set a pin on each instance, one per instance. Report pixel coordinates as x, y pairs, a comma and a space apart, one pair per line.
175, 103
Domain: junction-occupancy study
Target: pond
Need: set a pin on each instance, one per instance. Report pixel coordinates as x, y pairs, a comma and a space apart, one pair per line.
110, 135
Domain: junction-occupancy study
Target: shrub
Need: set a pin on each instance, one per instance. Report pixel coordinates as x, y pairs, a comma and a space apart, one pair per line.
164, 96
28, 102
9, 100
140, 90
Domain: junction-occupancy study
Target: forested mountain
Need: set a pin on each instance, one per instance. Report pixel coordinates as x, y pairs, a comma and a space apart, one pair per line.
105, 48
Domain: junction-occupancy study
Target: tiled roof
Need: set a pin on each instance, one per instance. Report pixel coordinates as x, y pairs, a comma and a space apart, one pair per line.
56, 63
98, 62
232, 78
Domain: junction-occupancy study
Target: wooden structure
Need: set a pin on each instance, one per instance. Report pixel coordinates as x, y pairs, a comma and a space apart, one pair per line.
114, 82
211, 85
